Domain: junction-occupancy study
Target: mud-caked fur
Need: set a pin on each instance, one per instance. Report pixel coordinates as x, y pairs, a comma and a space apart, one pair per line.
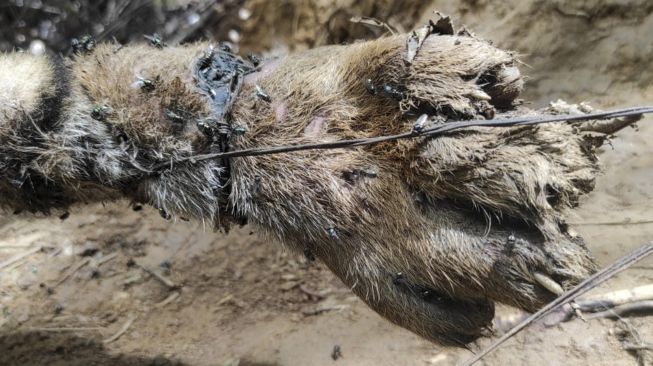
429, 232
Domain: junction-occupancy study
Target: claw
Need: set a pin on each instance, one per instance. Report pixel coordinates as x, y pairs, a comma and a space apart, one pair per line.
548, 283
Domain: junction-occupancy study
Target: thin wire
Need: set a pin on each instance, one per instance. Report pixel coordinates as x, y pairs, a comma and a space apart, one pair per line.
590, 283
427, 132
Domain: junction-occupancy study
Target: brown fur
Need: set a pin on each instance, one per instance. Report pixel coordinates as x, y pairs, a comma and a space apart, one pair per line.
428, 232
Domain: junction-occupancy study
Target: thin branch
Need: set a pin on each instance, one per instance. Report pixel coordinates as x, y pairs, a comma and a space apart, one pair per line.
76, 267
173, 296
568, 296
373, 22
19, 257
613, 223
122, 330
639, 307
65, 329
163, 279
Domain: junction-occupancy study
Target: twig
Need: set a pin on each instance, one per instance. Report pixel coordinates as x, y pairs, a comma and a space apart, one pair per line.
106, 258
623, 310
568, 296
616, 298
313, 293
634, 300
324, 308
426, 132
604, 302
172, 297
164, 280
76, 267
64, 329
320, 294
225, 300
637, 347
19, 257
373, 22
612, 223
122, 330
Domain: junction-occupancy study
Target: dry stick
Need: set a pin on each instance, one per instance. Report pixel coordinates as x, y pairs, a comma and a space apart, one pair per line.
607, 301
106, 258
76, 267
621, 310
172, 297
312, 293
612, 223
321, 294
122, 330
568, 296
166, 281
323, 309
616, 298
427, 132
19, 257
373, 22
637, 299
64, 329
638, 347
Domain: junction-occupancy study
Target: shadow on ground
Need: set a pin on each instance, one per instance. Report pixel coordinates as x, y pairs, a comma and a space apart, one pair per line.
60, 349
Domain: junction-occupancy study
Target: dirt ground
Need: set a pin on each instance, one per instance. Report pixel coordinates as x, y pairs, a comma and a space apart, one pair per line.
88, 296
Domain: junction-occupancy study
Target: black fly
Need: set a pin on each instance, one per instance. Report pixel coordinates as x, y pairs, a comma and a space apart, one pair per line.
393, 92
100, 112
155, 40
262, 94
84, 45
419, 124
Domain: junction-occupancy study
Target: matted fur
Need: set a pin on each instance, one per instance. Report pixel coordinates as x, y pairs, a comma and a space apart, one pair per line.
429, 232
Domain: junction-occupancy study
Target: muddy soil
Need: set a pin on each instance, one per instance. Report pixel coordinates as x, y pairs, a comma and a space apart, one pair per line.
88, 297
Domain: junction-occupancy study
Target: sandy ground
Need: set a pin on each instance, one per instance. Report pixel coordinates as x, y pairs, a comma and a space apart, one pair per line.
88, 298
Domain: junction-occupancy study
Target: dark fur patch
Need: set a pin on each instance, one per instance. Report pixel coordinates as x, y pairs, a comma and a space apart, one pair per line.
48, 113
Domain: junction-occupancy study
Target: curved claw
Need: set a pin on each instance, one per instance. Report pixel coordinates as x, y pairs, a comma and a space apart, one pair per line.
548, 283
